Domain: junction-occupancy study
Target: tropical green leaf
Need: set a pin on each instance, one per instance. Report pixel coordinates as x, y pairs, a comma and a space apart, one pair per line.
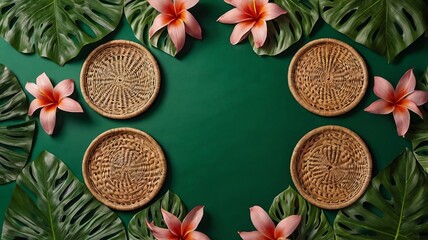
16, 140
382, 25
49, 202
393, 207
140, 16
57, 29
423, 83
421, 155
418, 133
287, 29
137, 228
314, 224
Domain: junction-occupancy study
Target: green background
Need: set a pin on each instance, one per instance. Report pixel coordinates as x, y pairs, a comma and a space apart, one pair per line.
224, 117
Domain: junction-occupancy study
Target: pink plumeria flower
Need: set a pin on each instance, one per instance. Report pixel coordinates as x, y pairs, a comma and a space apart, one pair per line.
250, 15
177, 230
266, 229
49, 99
174, 15
398, 102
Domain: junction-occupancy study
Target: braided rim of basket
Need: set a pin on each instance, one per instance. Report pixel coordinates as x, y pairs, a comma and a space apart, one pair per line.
87, 158
295, 92
88, 62
294, 172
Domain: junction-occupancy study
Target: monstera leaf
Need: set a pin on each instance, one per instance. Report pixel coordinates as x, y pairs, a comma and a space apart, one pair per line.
418, 135
314, 224
140, 16
16, 140
393, 207
49, 202
423, 83
383, 25
287, 29
57, 29
137, 228
418, 131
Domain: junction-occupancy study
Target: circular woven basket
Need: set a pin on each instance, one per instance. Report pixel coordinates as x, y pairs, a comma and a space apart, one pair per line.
120, 79
124, 168
327, 77
331, 167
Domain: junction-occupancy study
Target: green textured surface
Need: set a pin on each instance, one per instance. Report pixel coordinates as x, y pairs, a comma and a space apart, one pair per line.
224, 117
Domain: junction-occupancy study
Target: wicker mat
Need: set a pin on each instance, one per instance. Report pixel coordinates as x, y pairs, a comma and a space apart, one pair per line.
120, 79
331, 167
327, 77
124, 168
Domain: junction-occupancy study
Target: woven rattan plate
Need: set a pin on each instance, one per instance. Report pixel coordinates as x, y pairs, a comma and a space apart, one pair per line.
327, 77
331, 167
120, 79
124, 168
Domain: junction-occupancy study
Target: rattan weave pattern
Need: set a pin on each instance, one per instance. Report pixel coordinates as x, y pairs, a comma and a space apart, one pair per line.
124, 168
327, 77
120, 79
331, 167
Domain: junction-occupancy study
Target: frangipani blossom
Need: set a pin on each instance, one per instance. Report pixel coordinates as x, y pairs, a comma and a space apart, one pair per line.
178, 230
250, 15
398, 102
174, 15
266, 229
49, 99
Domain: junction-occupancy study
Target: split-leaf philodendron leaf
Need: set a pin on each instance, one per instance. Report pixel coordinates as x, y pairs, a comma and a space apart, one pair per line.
49, 202
393, 207
137, 228
418, 131
16, 139
57, 29
313, 225
289, 28
383, 25
140, 16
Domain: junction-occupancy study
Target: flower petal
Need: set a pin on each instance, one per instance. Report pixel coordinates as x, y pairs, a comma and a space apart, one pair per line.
254, 235
160, 21
232, 2
64, 89
287, 226
272, 11
69, 105
383, 89
402, 119
260, 3
259, 32
241, 31
262, 221
161, 233
192, 220
411, 106
380, 107
163, 6
183, 5
234, 16
172, 222
195, 235
406, 85
48, 118
177, 33
45, 85
192, 26
36, 104
34, 90
418, 97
